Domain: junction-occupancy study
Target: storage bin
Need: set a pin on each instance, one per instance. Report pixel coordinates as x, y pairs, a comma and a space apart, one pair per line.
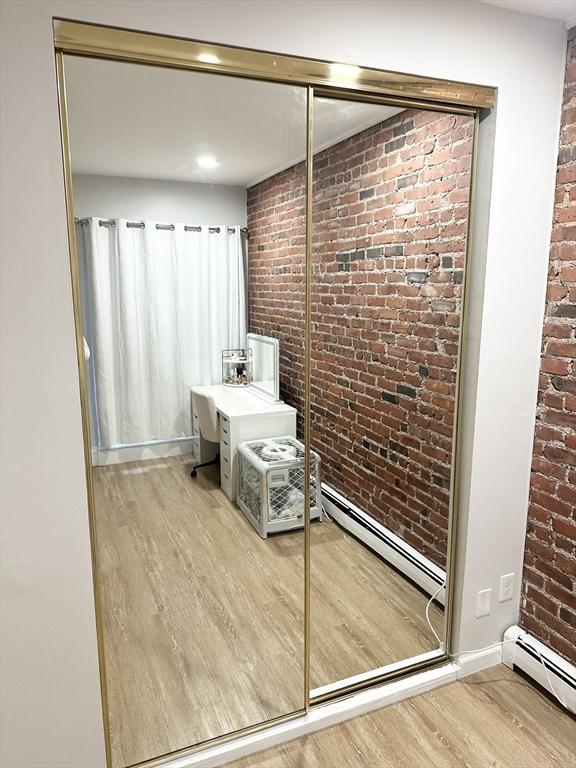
271, 484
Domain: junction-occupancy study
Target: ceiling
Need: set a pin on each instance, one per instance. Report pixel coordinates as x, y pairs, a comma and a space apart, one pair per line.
155, 123
561, 10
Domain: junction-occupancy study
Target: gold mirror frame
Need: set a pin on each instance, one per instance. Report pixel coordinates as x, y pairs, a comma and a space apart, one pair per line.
321, 78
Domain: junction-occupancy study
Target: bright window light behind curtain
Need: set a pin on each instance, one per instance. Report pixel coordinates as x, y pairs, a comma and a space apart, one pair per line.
159, 307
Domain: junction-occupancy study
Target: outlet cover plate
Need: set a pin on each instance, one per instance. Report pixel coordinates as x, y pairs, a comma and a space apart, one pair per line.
483, 602
506, 587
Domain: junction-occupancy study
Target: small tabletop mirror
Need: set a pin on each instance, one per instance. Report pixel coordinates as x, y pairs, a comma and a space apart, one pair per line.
265, 365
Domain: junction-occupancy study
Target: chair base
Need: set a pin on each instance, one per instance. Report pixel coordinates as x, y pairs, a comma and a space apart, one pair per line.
194, 473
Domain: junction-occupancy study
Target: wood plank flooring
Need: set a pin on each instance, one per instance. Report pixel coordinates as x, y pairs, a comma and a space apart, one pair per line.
493, 719
203, 620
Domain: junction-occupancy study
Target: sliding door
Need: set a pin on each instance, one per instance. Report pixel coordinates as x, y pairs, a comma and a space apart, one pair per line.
269, 278
390, 205
185, 245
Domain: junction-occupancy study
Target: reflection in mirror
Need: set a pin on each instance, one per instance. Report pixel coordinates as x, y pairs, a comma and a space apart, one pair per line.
390, 210
202, 610
265, 361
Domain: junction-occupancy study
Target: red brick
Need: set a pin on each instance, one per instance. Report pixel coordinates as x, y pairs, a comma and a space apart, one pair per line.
562, 646
557, 330
565, 527
561, 418
560, 455
566, 565
548, 468
565, 597
542, 483
551, 503
553, 365
370, 322
567, 493
561, 349
550, 564
556, 292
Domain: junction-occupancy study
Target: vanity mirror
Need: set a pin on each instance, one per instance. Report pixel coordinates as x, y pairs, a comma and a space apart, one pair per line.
266, 365
259, 549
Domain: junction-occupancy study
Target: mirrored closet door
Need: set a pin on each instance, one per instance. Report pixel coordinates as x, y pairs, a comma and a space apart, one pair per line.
389, 224
268, 261
191, 273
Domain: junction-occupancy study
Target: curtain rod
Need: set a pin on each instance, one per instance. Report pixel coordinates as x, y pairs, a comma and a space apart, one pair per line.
142, 224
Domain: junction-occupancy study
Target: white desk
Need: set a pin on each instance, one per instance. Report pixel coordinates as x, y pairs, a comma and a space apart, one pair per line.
243, 415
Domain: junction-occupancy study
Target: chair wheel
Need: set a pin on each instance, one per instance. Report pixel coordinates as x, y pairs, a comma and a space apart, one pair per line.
193, 473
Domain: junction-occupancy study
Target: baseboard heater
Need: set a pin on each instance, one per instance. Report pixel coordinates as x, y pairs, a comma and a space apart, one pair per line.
390, 547
523, 651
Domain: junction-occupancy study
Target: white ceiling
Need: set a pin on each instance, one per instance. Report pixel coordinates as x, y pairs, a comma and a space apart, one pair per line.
150, 122
561, 10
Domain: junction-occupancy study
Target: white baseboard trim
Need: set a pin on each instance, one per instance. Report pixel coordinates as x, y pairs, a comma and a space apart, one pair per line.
321, 716
152, 450
527, 653
405, 558
470, 662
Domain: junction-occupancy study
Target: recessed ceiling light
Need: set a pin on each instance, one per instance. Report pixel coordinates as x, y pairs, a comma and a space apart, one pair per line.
209, 58
344, 71
207, 161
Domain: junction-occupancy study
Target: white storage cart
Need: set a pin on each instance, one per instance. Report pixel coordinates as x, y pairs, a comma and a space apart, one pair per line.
271, 486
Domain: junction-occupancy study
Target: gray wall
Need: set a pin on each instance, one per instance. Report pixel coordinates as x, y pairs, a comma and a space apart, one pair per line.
116, 197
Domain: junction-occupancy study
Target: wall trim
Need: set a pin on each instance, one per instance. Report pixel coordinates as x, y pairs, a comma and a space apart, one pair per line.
470, 662
321, 716
334, 712
159, 449
392, 548
338, 711
127, 45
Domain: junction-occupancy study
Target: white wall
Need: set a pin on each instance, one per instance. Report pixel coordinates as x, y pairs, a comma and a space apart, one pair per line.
115, 197
51, 713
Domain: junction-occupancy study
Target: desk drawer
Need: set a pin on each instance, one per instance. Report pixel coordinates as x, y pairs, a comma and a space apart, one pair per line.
225, 466
225, 437
226, 477
225, 451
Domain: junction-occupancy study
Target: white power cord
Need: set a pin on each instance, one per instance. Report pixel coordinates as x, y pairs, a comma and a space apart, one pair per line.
495, 645
554, 691
440, 588
324, 511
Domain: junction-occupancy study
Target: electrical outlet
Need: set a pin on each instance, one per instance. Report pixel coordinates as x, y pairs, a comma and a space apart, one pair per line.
506, 587
483, 602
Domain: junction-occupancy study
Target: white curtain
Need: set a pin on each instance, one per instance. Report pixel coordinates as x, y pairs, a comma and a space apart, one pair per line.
160, 307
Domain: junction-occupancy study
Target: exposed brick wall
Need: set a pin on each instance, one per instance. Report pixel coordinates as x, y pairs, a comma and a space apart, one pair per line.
390, 213
276, 267
549, 579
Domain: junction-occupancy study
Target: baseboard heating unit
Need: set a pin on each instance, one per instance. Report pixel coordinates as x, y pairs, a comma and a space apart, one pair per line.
556, 675
405, 558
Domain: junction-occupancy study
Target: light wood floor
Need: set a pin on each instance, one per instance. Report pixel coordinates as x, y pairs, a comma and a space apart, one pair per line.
493, 719
203, 620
